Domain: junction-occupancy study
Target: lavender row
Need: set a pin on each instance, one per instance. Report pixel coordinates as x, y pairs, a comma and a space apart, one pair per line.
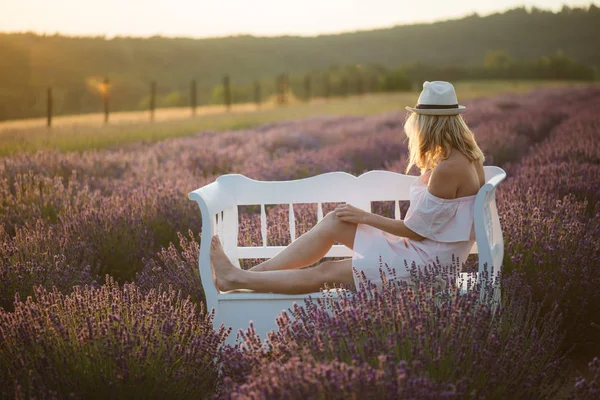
403, 341
108, 342
122, 211
550, 216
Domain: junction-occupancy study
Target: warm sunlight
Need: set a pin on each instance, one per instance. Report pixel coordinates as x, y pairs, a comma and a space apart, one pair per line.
208, 18
95, 83
268, 199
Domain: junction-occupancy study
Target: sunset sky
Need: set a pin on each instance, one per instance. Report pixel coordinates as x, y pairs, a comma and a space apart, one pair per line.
210, 18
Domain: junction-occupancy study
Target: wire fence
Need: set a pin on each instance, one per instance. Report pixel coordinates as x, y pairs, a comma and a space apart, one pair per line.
112, 98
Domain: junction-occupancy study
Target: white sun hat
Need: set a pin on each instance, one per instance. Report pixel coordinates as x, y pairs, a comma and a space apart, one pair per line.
437, 98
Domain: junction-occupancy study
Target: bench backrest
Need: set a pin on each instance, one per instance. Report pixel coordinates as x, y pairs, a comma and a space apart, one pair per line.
219, 203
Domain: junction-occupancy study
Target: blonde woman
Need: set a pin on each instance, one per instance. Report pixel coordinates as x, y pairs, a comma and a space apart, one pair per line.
438, 223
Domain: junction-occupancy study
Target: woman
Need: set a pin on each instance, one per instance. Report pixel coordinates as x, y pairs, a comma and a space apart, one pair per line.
438, 223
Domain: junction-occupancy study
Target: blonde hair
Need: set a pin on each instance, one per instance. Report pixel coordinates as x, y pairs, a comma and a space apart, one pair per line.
431, 137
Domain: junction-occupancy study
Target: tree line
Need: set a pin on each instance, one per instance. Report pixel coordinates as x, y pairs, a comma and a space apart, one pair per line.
353, 80
534, 43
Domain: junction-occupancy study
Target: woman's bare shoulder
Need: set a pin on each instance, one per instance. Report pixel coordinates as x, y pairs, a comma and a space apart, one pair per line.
444, 180
453, 167
458, 164
465, 175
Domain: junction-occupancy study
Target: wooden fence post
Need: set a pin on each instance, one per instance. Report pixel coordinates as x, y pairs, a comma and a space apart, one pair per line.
307, 87
227, 92
49, 107
152, 99
257, 93
193, 96
106, 95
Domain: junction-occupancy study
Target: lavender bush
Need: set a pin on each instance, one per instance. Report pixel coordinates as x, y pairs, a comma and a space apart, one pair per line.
305, 378
456, 344
175, 266
588, 389
107, 342
41, 255
551, 223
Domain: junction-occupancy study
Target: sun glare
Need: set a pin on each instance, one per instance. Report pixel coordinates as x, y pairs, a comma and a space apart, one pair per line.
97, 84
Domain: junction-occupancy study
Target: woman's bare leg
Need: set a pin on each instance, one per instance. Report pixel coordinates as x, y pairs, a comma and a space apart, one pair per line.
309, 280
312, 246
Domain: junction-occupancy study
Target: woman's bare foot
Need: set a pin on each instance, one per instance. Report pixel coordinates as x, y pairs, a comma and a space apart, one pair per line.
225, 272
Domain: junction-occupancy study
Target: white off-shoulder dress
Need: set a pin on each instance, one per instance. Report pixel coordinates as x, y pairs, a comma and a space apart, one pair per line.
447, 225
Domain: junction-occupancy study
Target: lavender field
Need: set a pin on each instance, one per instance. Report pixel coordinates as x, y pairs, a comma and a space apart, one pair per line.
100, 294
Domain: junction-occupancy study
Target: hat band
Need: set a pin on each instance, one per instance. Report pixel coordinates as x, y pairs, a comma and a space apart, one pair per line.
436, 106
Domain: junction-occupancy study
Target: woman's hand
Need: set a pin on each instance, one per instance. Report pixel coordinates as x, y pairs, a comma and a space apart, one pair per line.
349, 213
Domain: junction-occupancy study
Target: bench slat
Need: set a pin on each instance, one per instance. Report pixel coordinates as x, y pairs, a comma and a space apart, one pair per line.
292, 219
263, 224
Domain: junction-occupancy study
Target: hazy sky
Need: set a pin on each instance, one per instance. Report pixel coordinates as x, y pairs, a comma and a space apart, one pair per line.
209, 18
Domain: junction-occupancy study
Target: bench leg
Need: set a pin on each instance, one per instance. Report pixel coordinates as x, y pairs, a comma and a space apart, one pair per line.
312, 246
299, 281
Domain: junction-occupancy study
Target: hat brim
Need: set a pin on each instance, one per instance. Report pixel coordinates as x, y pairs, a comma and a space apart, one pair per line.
438, 111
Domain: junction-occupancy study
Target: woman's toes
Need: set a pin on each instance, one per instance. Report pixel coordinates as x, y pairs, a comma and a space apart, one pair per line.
215, 243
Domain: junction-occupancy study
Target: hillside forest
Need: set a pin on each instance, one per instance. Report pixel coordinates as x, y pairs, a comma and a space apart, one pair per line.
516, 44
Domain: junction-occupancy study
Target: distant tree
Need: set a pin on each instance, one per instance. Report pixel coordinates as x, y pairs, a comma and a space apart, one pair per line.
538, 11
239, 94
217, 95
560, 66
497, 59
396, 80
144, 103
172, 99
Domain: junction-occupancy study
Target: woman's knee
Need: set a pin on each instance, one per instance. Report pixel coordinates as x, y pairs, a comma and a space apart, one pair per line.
332, 222
340, 231
333, 219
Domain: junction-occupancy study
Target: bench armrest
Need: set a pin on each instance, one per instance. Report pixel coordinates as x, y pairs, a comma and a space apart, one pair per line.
214, 201
214, 197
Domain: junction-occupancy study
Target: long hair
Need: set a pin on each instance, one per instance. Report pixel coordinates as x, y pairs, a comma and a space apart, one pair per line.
431, 137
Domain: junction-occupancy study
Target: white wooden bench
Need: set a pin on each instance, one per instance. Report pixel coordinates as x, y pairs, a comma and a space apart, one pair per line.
219, 203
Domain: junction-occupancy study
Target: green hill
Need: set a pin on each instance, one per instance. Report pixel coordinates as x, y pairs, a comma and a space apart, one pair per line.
74, 65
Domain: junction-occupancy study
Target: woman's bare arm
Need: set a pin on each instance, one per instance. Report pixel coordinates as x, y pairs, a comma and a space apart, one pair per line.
349, 213
442, 183
393, 226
